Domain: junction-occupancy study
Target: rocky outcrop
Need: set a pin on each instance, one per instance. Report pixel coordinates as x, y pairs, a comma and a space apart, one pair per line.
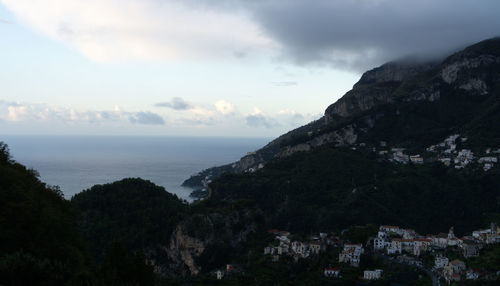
198, 232
379, 86
343, 137
397, 71
183, 249
451, 70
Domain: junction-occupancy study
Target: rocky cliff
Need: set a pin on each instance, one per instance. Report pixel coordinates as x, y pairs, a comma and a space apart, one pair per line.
194, 243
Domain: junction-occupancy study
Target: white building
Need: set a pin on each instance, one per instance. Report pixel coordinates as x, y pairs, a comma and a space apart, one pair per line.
219, 274
396, 246
378, 243
440, 262
416, 159
332, 272
372, 274
351, 254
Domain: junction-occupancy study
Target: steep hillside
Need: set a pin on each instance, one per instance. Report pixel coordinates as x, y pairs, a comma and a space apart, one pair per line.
406, 103
356, 168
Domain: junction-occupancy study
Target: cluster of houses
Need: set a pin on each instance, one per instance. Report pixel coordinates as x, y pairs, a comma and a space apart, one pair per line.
448, 154
397, 155
406, 245
396, 240
296, 249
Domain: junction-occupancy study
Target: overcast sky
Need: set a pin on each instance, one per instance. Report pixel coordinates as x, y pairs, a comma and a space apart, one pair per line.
218, 68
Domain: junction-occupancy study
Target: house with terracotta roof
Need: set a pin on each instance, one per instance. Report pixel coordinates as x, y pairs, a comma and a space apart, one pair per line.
351, 254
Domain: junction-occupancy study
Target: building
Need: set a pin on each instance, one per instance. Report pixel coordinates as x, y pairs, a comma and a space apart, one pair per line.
219, 274
372, 274
378, 243
472, 274
416, 159
440, 262
315, 247
396, 246
332, 272
458, 266
351, 254
400, 157
390, 228
470, 249
420, 245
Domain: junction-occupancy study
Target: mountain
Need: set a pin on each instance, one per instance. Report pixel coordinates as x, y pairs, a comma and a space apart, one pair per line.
353, 166
455, 92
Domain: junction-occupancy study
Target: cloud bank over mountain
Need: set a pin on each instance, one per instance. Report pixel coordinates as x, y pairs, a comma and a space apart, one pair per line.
352, 34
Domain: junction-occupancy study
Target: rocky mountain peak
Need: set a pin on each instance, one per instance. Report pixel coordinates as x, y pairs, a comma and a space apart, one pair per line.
469, 70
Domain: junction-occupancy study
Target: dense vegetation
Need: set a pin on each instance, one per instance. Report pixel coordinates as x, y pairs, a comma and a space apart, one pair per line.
96, 239
333, 188
40, 242
134, 212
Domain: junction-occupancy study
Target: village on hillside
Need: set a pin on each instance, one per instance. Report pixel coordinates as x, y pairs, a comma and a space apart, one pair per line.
445, 152
394, 244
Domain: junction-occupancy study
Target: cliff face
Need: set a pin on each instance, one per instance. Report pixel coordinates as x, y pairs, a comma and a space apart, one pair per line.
375, 87
199, 234
475, 70
469, 70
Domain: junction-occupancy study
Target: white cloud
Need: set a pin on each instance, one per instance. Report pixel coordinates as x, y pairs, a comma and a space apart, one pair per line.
115, 30
224, 107
259, 119
29, 112
16, 113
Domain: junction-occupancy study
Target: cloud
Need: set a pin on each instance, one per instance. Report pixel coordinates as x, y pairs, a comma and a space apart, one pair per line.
258, 119
284, 83
347, 34
146, 118
176, 103
224, 107
358, 34
2, 21
39, 112
117, 30
293, 118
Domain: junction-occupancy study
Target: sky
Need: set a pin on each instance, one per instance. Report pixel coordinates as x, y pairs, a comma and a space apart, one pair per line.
208, 68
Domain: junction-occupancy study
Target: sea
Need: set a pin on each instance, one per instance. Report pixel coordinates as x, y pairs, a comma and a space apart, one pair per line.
76, 163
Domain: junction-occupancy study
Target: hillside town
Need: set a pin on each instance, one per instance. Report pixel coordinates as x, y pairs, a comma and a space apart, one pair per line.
446, 152
396, 244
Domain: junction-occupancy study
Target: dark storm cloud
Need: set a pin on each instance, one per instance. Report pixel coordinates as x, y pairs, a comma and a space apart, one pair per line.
176, 103
147, 118
357, 34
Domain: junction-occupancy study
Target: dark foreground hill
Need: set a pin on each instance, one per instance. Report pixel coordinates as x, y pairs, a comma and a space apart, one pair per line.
39, 240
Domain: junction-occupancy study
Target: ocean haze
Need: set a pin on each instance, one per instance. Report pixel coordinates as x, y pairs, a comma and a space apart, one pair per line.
75, 163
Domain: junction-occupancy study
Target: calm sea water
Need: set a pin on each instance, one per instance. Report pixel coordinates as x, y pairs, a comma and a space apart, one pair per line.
77, 163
